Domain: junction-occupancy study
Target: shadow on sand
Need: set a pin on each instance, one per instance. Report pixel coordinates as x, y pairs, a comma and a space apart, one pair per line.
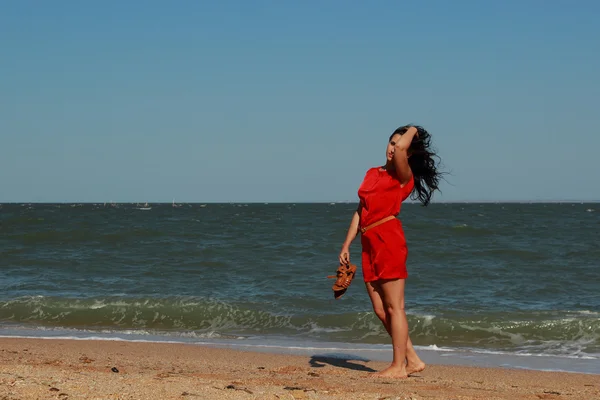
339, 360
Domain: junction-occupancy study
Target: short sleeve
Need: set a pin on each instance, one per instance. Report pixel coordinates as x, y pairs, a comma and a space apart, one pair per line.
408, 188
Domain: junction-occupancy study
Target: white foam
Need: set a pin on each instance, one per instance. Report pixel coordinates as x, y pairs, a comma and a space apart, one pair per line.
433, 347
525, 354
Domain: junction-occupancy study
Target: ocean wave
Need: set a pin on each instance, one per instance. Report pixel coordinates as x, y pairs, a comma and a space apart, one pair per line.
571, 333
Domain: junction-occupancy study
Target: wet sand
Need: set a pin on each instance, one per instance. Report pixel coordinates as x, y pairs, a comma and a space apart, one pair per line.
88, 369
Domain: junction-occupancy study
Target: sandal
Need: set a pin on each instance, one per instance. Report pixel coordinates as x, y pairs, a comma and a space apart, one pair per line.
344, 276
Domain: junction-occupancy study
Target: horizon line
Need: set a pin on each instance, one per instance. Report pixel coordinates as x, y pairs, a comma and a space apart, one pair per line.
310, 202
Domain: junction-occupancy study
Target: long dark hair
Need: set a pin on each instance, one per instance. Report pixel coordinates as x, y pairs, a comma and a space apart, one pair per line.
422, 163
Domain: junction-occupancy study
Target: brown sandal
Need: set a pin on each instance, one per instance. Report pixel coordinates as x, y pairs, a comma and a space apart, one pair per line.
344, 276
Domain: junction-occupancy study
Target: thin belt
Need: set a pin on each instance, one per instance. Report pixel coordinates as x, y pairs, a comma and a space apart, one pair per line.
374, 224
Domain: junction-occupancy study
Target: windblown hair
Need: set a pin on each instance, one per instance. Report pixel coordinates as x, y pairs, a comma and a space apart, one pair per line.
422, 163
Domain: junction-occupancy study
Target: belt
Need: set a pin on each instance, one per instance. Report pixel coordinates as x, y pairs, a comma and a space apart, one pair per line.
374, 224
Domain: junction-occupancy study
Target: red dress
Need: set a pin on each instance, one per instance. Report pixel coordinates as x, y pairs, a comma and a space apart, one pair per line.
384, 250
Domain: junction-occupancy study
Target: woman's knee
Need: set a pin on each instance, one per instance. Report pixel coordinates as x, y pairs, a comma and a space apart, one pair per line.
380, 312
394, 309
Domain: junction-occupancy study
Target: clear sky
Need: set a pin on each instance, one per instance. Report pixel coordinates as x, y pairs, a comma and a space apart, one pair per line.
246, 101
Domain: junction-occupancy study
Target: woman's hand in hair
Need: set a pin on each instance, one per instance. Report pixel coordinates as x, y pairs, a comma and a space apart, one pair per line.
406, 139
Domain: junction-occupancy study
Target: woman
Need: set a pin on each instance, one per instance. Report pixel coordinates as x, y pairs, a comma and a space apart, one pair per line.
410, 168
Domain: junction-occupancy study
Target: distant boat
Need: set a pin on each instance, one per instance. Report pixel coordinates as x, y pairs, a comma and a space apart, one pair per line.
176, 205
145, 208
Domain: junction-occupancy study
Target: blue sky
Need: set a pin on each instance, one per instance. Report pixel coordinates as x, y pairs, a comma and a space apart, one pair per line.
294, 101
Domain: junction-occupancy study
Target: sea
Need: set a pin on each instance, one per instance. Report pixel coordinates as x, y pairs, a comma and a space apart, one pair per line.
509, 285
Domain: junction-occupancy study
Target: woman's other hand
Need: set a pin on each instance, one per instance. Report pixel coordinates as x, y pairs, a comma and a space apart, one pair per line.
345, 256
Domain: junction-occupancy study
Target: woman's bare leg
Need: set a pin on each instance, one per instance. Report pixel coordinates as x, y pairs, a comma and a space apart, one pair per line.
413, 362
393, 303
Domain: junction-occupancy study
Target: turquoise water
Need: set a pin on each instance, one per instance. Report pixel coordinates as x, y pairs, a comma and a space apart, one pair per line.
505, 279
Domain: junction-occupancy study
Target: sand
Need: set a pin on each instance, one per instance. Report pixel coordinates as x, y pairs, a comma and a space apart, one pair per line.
87, 369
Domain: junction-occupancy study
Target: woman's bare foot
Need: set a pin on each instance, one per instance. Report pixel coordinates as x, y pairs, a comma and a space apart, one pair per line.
413, 368
393, 371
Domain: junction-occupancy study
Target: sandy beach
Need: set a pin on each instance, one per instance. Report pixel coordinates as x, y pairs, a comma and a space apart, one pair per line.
90, 369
